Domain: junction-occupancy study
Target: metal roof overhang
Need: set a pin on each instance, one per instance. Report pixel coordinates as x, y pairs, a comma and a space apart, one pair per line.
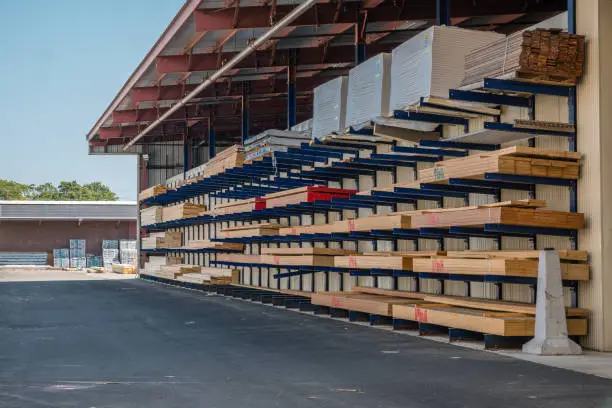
321, 43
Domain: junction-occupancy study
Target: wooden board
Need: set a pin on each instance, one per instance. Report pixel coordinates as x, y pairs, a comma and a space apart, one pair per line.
298, 260
526, 268
373, 304
479, 320
564, 254
369, 262
180, 269
375, 222
239, 258
167, 239
151, 215
253, 230
238, 206
478, 216
306, 251
206, 244
412, 254
152, 192
307, 229
304, 194
182, 211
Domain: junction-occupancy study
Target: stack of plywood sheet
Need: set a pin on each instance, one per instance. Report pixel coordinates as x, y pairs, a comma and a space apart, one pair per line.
184, 210
305, 195
167, 239
329, 107
541, 54
273, 140
518, 160
502, 263
151, 215
239, 206
369, 90
206, 244
432, 62
253, 230
151, 192
227, 159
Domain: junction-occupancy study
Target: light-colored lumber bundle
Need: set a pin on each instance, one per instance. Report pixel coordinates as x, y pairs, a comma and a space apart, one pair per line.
305, 195
180, 269
151, 215
405, 253
478, 216
239, 258
273, 140
181, 211
525, 268
374, 222
376, 262
206, 244
151, 192
298, 260
306, 251
359, 302
469, 302
564, 254
307, 229
167, 239
252, 230
124, 269
238, 206
518, 160
548, 55
227, 159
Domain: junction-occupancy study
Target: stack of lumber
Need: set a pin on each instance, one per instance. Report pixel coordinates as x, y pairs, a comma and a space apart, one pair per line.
360, 302
151, 215
502, 263
212, 276
172, 271
504, 213
298, 260
154, 263
253, 230
374, 222
151, 192
239, 206
305, 195
239, 258
518, 160
207, 244
167, 239
273, 140
307, 251
547, 55
383, 260
124, 268
180, 211
227, 159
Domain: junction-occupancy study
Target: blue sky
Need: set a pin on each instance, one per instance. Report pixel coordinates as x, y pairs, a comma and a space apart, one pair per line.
63, 61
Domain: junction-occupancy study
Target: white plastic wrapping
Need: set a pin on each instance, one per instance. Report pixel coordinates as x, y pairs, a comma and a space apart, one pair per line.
369, 88
329, 110
432, 62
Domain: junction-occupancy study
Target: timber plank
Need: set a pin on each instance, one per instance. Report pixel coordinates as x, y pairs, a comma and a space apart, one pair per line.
298, 260
306, 251
358, 302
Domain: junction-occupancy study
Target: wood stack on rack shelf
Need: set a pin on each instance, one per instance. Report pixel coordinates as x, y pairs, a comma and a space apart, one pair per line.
305, 195
151, 215
383, 260
238, 206
180, 211
172, 271
273, 140
167, 239
248, 259
545, 55
227, 159
151, 192
253, 230
518, 160
211, 276
207, 244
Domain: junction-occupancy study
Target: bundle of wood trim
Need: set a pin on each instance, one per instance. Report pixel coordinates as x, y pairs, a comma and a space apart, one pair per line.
167, 239
239, 206
305, 195
207, 244
542, 54
227, 159
239, 258
151, 215
253, 230
152, 192
519, 160
181, 211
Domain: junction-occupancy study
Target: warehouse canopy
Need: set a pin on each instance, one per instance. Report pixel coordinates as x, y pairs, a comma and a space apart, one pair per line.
323, 43
68, 210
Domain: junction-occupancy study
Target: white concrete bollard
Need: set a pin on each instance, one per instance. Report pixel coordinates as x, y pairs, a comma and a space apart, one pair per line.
551, 326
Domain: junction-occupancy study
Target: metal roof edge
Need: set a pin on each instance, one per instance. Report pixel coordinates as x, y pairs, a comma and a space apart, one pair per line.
34, 202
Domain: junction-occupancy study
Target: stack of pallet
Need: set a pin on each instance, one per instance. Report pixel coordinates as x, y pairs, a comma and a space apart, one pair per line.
227, 159
305, 195
519, 160
253, 230
548, 55
151, 215
238, 206
180, 211
167, 239
172, 271
151, 192
206, 244
273, 140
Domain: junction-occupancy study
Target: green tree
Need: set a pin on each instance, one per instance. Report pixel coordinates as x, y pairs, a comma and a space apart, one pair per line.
45, 192
65, 191
99, 192
11, 190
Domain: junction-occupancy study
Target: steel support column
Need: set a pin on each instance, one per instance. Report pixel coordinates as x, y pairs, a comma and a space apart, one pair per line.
291, 90
360, 40
245, 111
443, 15
186, 148
211, 141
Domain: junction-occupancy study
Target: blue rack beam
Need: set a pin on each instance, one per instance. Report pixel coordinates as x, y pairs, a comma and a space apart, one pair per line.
490, 98
435, 152
459, 145
430, 118
527, 87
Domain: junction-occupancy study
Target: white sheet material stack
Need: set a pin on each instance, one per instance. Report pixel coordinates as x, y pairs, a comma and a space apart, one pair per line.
329, 110
432, 62
369, 89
